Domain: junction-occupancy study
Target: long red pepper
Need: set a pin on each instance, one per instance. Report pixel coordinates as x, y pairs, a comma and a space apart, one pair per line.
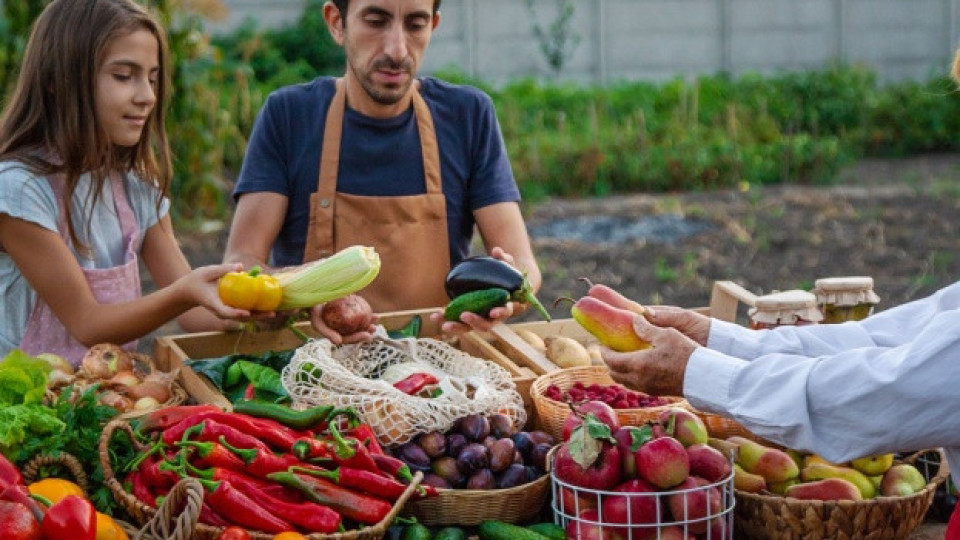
214, 455
260, 463
169, 416
140, 490
369, 482
364, 433
351, 452
211, 432
393, 467
349, 503
245, 483
209, 516
269, 431
415, 382
236, 507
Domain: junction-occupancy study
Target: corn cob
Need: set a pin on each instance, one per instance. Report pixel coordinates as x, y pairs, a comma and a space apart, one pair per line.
343, 273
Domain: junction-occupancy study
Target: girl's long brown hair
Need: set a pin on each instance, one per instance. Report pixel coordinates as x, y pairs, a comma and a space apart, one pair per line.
50, 123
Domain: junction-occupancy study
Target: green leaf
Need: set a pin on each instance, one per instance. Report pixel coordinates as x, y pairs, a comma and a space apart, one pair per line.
23, 379
597, 429
639, 436
584, 449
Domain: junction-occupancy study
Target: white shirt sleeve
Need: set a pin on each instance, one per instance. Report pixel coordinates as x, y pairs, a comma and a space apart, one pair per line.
893, 385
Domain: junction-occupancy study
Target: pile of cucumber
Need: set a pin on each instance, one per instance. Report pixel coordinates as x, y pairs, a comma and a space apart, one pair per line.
488, 530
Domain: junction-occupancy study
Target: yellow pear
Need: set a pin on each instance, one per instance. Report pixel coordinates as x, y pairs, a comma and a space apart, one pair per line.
821, 471
873, 465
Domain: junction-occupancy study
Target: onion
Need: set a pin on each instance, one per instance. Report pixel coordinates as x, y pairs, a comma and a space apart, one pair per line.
155, 385
146, 404
113, 399
124, 379
103, 360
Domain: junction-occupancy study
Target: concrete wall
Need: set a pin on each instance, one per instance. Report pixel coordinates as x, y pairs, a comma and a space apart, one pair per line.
662, 39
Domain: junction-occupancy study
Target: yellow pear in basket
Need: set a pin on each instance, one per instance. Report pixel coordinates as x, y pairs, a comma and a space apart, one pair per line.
773, 464
873, 465
820, 471
828, 489
566, 352
902, 480
780, 488
745, 481
810, 459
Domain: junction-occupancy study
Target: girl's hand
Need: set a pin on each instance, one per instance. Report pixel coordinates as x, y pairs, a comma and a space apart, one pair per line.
200, 288
338, 339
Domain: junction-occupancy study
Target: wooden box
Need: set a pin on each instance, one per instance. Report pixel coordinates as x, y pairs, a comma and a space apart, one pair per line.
170, 352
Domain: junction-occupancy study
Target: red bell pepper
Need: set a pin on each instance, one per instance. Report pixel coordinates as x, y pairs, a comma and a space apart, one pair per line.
72, 517
350, 504
9, 474
13, 489
236, 507
415, 382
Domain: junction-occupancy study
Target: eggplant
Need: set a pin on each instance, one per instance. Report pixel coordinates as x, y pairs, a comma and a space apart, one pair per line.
485, 272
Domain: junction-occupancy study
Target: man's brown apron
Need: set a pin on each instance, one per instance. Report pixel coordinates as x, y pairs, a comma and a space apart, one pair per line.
409, 232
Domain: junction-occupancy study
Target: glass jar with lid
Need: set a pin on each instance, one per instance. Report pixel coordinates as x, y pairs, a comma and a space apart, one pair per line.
848, 298
784, 308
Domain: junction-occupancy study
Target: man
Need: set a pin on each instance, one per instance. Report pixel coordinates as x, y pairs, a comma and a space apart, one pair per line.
886, 384
379, 157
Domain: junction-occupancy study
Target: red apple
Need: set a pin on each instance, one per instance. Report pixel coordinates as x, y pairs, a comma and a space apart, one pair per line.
18, 522
694, 503
688, 428
602, 474
629, 439
587, 526
663, 462
601, 410
673, 532
573, 502
637, 506
707, 462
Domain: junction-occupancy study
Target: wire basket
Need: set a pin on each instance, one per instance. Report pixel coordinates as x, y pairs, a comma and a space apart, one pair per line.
469, 507
551, 413
766, 516
704, 512
146, 515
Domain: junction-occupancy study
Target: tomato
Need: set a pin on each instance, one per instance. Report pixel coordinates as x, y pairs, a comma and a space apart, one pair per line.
289, 535
234, 533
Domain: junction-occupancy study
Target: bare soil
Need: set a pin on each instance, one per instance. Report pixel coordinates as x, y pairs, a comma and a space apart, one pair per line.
895, 220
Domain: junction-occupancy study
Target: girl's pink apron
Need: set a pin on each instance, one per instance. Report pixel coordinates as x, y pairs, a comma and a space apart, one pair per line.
45, 332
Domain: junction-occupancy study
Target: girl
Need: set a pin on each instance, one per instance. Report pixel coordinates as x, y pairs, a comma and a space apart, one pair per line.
84, 166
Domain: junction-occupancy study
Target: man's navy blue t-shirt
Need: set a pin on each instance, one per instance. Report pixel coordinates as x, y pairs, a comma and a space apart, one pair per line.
377, 157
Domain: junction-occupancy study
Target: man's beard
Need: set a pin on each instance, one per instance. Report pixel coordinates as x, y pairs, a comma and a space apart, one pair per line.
392, 95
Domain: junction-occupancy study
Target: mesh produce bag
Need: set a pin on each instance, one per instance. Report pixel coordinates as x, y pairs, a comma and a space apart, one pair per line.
350, 375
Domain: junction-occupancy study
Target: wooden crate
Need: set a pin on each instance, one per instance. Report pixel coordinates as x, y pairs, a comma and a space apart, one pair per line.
170, 352
726, 301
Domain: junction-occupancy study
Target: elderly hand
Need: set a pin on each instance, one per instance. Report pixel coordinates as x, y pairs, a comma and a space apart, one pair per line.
690, 323
658, 370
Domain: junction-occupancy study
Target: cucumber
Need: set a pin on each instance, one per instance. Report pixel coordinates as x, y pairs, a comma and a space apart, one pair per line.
450, 533
501, 530
550, 530
479, 302
416, 531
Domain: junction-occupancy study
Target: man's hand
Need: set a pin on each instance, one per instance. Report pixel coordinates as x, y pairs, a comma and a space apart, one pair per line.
689, 323
472, 321
658, 370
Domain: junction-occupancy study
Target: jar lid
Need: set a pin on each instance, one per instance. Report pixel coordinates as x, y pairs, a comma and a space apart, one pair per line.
845, 291
785, 307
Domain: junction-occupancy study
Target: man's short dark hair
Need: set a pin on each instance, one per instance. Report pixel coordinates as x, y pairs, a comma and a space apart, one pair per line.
343, 4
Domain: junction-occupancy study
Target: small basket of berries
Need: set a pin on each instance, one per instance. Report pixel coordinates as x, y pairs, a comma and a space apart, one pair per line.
555, 392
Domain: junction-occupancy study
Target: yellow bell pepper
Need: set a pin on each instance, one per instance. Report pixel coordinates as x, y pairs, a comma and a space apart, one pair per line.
251, 290
108, 529
54, 489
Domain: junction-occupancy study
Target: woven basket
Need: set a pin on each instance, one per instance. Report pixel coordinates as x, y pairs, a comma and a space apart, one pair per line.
144, 514
552, 413
468, 507
64, 461
721, 427
760, 516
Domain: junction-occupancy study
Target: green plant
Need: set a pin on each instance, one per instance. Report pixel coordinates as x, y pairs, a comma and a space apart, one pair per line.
557, 41
662, 270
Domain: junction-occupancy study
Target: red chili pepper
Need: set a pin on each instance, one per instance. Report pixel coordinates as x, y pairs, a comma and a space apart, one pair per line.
210, 517
215, 455
393, 467
155, 476
246, 436
415, 382
350, 504
364, 433
261, 463
140, 490
170, 416
234, 506
72, 517
250, 392
245, 483
351, 452
309, 448
369, 482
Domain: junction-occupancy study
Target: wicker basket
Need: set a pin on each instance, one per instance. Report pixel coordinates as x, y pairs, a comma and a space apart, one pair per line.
468, 507
762, 516
144, 514
552, 413
721, 427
